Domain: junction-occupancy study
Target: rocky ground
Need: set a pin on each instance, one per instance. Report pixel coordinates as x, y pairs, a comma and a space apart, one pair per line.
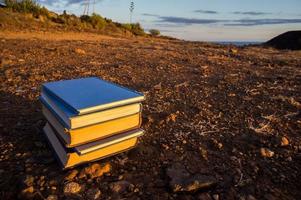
221, 122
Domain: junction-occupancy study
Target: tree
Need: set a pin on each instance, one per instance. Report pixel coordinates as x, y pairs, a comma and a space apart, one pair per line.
154, 32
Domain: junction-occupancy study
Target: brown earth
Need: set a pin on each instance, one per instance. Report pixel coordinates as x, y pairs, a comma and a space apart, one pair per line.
231, 114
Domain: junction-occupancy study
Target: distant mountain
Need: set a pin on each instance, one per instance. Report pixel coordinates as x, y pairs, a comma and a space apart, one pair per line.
289, 40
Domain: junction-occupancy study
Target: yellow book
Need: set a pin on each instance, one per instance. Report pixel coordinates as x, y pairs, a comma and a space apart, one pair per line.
92, 151
75, 137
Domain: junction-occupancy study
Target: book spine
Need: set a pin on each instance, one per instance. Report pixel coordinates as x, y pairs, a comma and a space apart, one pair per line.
53, 95
54, 113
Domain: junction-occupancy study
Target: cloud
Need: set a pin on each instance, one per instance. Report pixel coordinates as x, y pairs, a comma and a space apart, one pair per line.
188, 21
206, 11
239, 22
150, 15
251, 13
258, 22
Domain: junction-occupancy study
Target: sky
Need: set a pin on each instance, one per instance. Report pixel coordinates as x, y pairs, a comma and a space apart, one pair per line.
198, 20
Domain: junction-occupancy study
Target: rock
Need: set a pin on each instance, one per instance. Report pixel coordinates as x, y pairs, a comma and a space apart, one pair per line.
28, 190
80, 51
234, 51
251, 197
284, 142
266, 153
72, 188
29, 180
182, 181
93, 193
52, 197
204, 196
172, 117
95, 170
119, 186
215, 197
158, 86
71, 175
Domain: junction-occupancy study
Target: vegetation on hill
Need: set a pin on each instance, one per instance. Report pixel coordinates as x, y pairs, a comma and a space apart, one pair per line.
154, 32
30, 9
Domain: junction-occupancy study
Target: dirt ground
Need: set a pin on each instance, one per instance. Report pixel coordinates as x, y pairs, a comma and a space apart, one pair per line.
230, 113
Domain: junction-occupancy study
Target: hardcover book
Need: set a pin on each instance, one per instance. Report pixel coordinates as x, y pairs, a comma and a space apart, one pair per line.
91, 151
75, 137
87, 95
71, 120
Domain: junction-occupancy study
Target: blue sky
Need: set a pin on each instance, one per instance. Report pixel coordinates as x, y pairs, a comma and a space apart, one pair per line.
203, 20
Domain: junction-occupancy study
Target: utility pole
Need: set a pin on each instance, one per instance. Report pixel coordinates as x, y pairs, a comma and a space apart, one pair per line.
86, 8
132, 6
94, 6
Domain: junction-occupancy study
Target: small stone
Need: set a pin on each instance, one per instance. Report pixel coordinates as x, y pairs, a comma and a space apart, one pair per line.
234, 51
52, 197
172, 117
289, 159
71, 175
119, 186
29, 180
215, 197
251, 197
28, 190
80, 51
72, 188
204, 196
266, 153
95, 170
93, 194
204, 153
182, 181
158, 86
284, 142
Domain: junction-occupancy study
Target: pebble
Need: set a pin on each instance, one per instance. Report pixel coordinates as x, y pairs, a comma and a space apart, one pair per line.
215, 197
182, 181
52, 197
204, 196
266, 153
72, 188
119, 186
80, 51
28, 190
158, 86
29, 180
93, 194
71, 175
284, 142
251, 197
95, 170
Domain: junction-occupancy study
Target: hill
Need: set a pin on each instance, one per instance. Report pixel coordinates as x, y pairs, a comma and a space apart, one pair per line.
27, 15
289, 40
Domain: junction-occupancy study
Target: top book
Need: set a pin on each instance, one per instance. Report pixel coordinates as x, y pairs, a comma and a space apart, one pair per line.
87, 95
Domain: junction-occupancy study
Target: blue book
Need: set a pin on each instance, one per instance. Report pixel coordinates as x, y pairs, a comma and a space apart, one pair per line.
88, 95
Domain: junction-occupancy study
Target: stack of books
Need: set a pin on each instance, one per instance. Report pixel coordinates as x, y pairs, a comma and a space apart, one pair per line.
90, 119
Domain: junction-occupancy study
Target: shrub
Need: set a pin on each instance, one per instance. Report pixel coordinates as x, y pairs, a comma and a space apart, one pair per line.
136, 29
97, 21
154, 32
27, 6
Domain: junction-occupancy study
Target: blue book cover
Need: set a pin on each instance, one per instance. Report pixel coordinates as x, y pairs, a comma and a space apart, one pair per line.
92, 94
